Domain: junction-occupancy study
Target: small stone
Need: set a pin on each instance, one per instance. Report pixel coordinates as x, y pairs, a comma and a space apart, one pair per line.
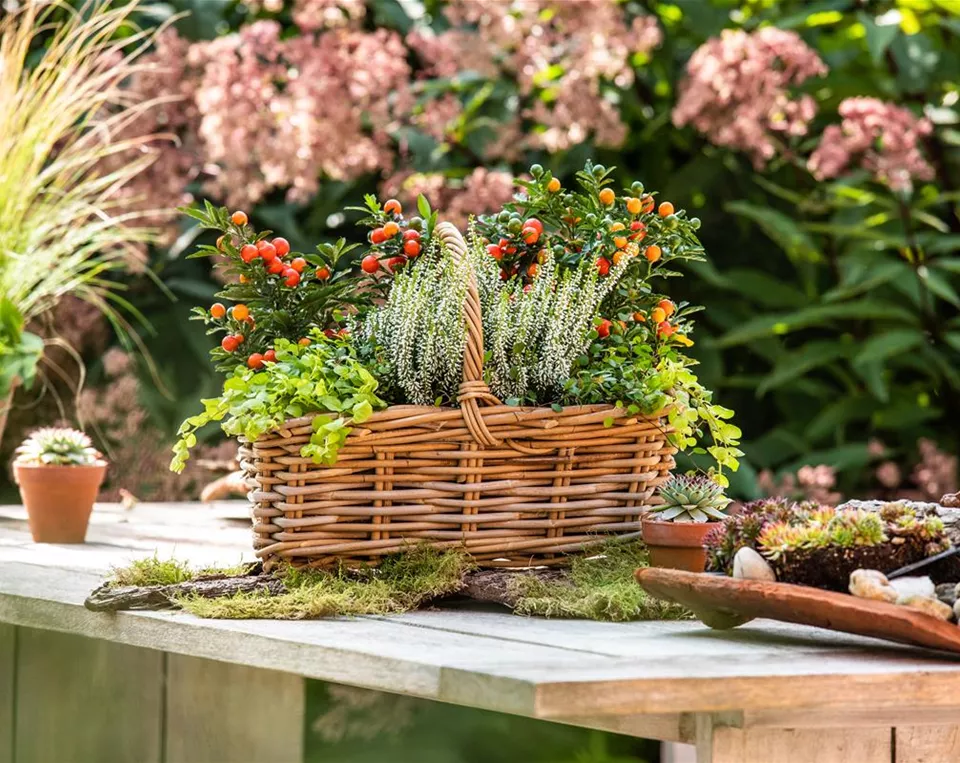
749, 565
872, 584
928, 606
914, 586
947, 593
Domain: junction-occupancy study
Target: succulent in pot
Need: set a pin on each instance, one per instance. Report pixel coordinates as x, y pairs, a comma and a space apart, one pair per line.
59, 473
675, 530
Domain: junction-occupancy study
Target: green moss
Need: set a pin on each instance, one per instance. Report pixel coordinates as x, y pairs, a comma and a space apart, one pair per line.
600, 587
151, 571
400, 584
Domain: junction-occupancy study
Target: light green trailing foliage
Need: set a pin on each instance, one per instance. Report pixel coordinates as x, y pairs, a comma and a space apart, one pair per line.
58, 446
323, 376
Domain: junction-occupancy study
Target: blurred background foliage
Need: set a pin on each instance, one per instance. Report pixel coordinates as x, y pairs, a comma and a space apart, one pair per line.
819, 142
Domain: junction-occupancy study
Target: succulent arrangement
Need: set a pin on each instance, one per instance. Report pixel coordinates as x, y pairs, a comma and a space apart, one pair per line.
820, 546
58, 446
688, 498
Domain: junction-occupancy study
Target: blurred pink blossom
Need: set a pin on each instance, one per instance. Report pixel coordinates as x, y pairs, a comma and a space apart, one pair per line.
737, 91
313, 15
880, 137
479, 192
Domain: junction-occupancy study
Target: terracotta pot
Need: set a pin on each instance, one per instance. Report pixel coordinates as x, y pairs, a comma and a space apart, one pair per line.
678, 545
59, 499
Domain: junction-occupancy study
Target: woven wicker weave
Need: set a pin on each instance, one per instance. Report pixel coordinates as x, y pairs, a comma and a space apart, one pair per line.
514, 486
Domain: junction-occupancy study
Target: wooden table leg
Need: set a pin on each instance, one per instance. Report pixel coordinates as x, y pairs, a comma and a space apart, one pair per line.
717, 743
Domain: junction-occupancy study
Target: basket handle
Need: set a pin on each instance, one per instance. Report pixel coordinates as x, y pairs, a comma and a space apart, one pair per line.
473, 389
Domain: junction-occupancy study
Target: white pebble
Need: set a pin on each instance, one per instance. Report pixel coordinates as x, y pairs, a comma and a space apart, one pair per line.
749, 565
907, 587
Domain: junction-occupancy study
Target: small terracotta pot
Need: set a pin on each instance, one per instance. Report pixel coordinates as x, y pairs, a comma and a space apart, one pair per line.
677, 545
59, 499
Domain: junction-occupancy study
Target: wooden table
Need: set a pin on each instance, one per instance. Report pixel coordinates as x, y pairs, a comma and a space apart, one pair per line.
765, 692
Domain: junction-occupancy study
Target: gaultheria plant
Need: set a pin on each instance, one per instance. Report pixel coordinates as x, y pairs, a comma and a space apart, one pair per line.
66, 121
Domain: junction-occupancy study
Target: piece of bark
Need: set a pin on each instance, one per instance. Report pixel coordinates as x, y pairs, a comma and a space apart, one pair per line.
499, 586
951, 501
109, 598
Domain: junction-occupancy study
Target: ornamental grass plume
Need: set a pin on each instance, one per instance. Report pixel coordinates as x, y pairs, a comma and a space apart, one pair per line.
64, 216
879, 137
738, 90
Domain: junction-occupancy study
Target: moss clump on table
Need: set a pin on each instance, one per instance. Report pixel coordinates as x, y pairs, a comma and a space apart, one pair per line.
600, 587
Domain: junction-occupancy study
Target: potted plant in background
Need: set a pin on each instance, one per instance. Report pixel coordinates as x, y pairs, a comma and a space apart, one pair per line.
59, 473
675, 530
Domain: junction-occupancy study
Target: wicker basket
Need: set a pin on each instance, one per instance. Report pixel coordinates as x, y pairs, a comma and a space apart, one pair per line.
513, 486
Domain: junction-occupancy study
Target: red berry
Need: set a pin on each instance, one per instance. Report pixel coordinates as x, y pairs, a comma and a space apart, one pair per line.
377, 236
229, 343
411, 235
239, 218
270, 356
495, 251
530, 235
503, 243
603, 329
276, 266
603, 265
370, 264
328, 333
255, 360
267, 250
290, 277
323, 273
249, 252
534, 223
217, 310
239, 337
392, 207
282, 246
396, 262
411, 248
298, 264
664, 330
532, 269
511, 250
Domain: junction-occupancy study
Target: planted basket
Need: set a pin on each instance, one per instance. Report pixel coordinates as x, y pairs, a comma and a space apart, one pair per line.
513, 486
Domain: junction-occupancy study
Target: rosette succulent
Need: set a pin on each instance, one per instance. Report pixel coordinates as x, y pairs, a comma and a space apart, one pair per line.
691, 499
58, 446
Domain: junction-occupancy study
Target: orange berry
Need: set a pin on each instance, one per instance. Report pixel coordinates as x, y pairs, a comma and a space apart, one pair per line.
617, 227
658, 315
290, 277
634, 206
282, 246
303, 341
647, 202
229, 343
255, 360
391, 229
603, 328
532, 269
618, 257
240, 312
323, 273
240, 338
620, 242
392, 207
530, 235
667, 306
377, 236
298, 264
239, 218
249, 252
554, 185
639, 317
267, 250
275, 266
534, 223
666, 208
370, 264
270, 356
653, 253
411, 247
664, 330
217, 310
603, 265
607, 196
220, 242
243, 278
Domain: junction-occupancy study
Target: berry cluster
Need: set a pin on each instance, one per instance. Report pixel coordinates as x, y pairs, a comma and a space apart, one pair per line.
395, 239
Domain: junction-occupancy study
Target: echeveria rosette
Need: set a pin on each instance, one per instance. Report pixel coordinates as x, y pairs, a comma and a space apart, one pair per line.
324, 376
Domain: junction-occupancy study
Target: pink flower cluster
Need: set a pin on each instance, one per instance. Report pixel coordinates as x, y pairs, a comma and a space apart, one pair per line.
569, 57
879, 137
738, 90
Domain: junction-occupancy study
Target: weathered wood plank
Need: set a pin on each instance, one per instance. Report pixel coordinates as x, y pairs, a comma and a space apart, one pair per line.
232, 714
80, 700
720, 744
8, 675
928, 744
